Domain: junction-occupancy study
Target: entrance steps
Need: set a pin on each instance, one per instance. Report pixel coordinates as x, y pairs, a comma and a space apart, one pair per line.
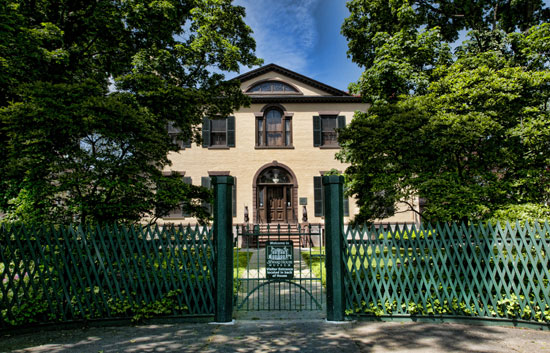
257, 235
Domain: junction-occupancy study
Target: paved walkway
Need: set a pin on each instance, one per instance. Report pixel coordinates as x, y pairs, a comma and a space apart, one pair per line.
279, 296
284, 336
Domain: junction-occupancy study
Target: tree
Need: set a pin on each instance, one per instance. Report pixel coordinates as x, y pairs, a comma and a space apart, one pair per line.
88, 89
468, 131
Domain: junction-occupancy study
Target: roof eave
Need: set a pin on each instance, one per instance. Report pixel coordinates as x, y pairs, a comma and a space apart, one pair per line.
299, 77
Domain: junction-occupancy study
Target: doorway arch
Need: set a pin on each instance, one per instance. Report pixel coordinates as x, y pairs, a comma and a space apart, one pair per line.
275, 193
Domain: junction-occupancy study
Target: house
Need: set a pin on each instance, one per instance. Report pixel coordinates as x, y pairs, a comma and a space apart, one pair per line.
277, 149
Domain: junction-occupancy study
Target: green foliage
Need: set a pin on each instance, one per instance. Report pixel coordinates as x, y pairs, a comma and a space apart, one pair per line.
141, 311
524, 212
87, 90
468, 131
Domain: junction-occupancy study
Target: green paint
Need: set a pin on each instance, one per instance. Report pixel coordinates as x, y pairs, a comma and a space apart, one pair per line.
223, 248
52, 275
447, 270
334, 230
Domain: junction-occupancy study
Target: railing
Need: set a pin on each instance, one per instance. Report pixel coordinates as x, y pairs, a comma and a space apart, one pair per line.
449, 271
73, 274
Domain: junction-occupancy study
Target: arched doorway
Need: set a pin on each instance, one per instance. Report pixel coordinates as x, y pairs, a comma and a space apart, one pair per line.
276, 194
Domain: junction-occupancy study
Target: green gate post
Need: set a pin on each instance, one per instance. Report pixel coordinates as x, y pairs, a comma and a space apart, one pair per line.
334, 230
223, 248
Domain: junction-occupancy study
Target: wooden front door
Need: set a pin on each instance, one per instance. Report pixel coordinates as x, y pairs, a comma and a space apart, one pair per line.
276, 204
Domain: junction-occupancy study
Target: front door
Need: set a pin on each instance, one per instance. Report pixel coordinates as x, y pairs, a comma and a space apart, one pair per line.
276, 204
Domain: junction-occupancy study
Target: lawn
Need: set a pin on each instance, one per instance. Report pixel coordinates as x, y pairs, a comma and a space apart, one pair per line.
315, 255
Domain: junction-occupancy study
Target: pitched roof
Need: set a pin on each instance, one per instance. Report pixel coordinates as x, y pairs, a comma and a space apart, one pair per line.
298, 77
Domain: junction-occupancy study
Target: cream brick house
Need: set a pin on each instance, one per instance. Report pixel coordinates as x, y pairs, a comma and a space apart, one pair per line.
277, 149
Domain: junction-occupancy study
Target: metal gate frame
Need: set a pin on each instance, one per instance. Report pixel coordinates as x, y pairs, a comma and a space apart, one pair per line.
254, 291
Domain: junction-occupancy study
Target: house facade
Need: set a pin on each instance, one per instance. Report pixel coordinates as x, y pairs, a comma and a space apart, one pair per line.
277, 149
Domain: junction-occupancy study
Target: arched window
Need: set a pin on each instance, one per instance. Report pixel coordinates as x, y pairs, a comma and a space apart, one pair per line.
274, 129
274, 176
272, 87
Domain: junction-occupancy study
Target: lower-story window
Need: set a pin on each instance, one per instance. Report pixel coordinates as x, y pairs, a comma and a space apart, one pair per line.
207, 183
318, 198
180, 212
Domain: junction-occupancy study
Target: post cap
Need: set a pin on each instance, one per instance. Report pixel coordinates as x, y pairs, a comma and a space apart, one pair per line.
333, 179
223, 179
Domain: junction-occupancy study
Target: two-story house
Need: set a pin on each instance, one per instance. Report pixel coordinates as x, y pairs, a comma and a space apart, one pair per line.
277, 149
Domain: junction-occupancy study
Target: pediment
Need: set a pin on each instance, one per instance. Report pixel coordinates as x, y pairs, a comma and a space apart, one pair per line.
273, 80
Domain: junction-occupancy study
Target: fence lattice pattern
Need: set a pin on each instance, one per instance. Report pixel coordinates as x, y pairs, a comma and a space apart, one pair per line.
66, 274
454, 270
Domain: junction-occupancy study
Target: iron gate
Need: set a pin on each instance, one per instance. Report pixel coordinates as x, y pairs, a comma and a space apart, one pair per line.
279, 267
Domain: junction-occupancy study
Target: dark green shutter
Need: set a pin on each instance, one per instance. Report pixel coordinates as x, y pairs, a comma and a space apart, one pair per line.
317, 196
341, 122
346, 203
231, 131
186, 180
316, 131
205, 132
234, 197
205, 182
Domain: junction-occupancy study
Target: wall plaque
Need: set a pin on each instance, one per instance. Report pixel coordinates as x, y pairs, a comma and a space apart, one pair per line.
279, 259
303, 201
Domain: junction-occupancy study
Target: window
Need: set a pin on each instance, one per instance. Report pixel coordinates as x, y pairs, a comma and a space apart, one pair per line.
272, 87
273, 129
325, 130
173, 133
180, 211
218, 132
318, 198
207, 183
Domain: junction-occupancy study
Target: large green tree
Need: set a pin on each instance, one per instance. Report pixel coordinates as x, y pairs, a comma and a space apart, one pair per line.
87, 90
468, 129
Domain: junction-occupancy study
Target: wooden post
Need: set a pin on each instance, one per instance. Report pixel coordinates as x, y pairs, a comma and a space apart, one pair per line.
334, 230
223, 248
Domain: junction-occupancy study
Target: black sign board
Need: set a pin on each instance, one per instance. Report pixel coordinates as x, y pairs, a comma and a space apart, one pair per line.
279, 259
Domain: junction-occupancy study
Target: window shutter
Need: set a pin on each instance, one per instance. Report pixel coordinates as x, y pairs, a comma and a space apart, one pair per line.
346, 203
234, 197
318, 196
231, 131
316, 131
341, 121
187, 143
205, 132
205, 182
186, 180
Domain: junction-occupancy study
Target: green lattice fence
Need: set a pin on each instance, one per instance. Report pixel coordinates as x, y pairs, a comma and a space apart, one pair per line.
73, 274
456, 270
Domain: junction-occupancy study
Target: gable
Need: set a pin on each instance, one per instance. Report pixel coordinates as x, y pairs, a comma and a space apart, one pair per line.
304, 86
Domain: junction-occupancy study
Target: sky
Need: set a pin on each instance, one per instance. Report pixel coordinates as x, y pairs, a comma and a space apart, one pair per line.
303, 36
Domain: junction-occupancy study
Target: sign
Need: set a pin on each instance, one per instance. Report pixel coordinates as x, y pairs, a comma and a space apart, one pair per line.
303, 201
279, 259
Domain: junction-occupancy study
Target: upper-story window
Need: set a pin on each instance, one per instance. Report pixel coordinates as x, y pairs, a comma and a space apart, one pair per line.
174, 134
272, 87
218, 132
273, 129
325, 133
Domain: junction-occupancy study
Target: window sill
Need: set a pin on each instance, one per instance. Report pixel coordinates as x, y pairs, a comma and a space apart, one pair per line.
274, 147
331, 147
218, 147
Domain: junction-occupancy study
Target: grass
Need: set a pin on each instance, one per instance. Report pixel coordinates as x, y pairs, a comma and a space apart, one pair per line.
314, 256
240, 262
313, 260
